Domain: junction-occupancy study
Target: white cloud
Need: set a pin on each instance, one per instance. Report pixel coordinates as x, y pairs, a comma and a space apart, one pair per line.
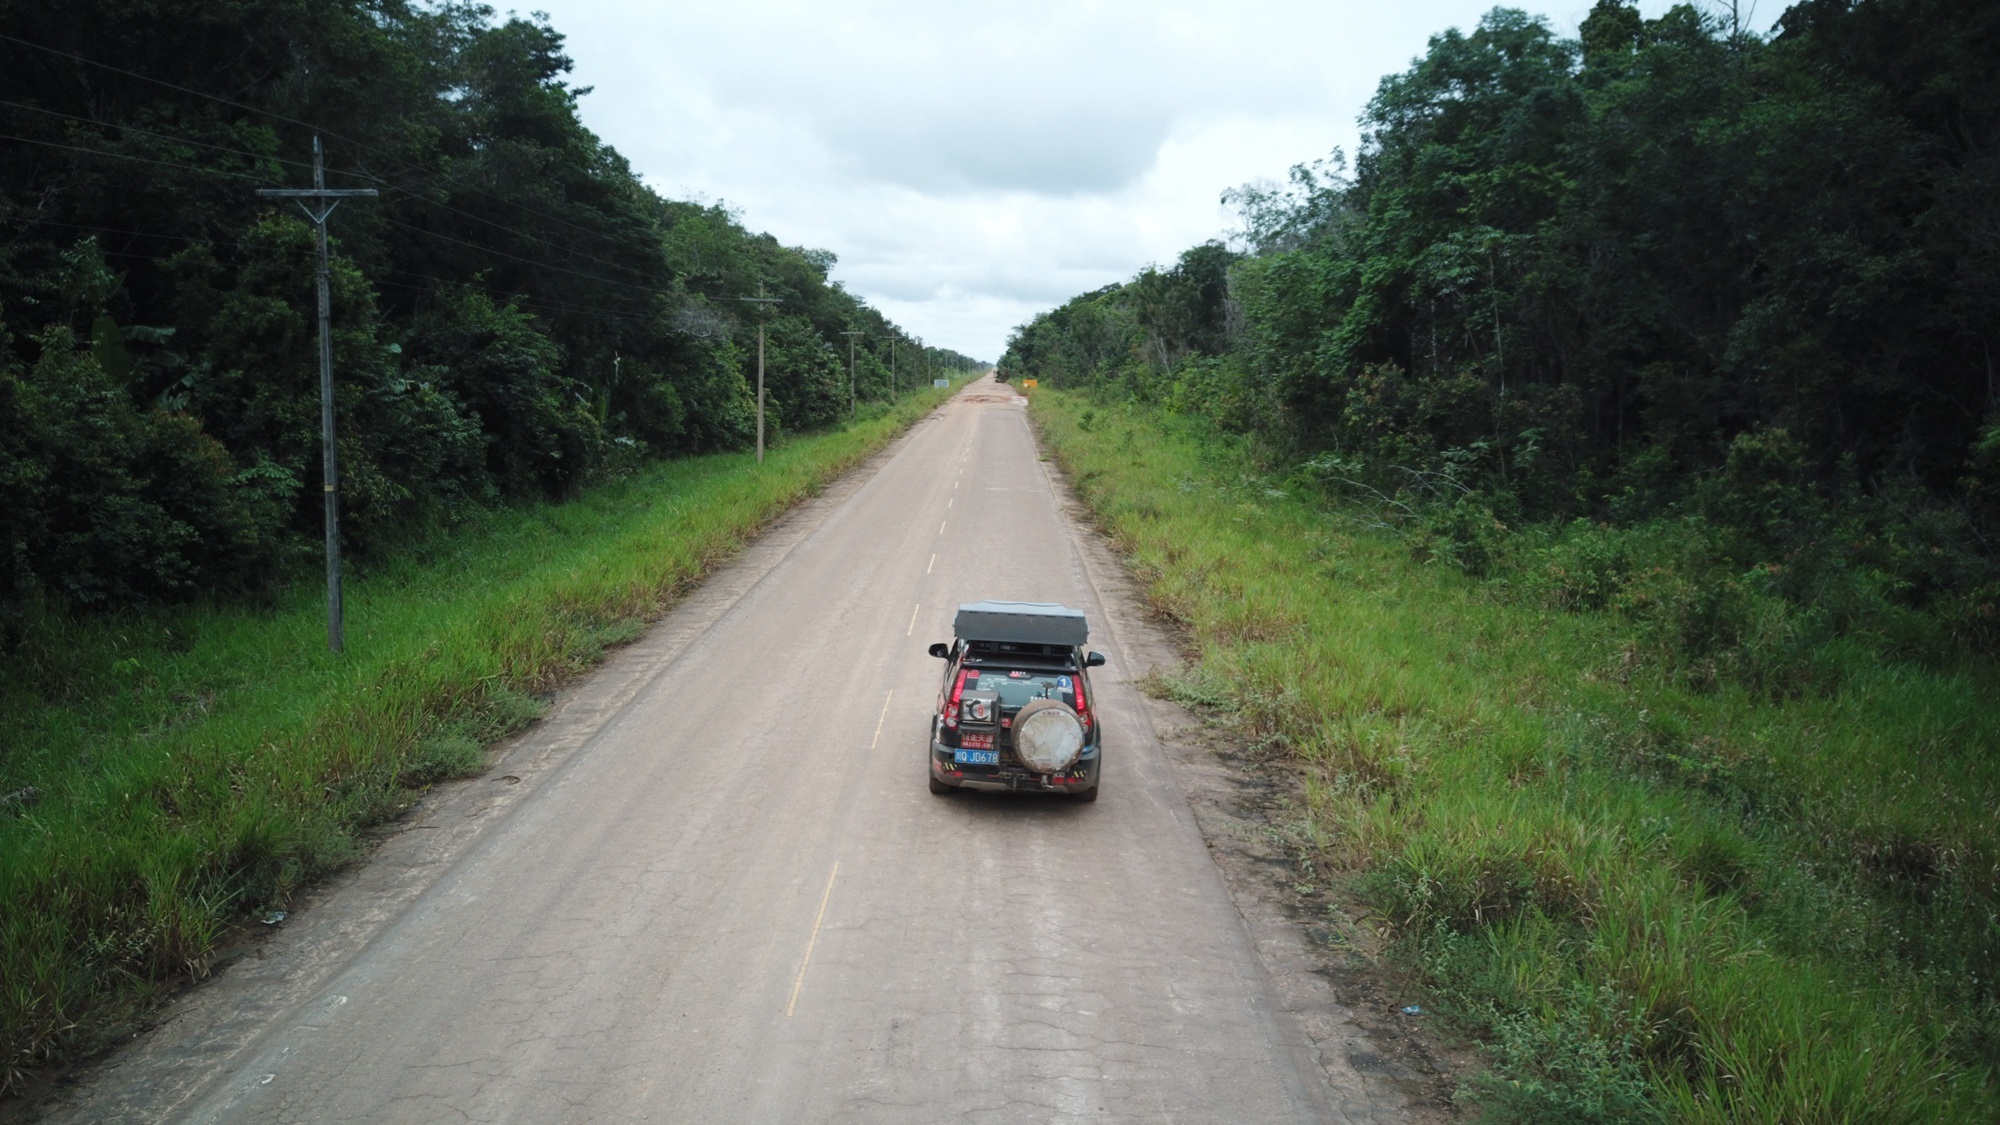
972, 164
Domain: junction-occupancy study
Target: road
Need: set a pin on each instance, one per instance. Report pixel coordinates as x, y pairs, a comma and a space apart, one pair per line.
737, 901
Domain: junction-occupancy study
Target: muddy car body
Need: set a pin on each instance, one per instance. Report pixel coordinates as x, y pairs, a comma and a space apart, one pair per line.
1015, 710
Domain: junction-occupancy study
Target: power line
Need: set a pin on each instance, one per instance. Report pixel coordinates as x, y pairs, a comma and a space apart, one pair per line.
170, 139
511, 230
156, 136
508, 296
141, 159
363, 146
532, 304
260, 179
649, 290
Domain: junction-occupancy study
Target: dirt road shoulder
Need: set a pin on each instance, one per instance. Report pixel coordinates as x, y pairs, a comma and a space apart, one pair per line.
1319, 958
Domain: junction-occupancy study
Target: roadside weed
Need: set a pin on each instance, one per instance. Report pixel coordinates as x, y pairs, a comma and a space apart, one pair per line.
1668, 851
199, 765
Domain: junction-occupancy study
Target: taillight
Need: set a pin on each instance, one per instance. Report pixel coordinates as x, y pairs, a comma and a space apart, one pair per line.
957, 690
1082, 704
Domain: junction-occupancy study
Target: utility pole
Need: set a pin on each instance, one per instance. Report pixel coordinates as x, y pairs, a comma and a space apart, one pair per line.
318, 203
853, 396
762, 302
895, 384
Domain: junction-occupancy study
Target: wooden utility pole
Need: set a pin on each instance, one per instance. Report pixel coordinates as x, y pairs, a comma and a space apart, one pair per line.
318, 203
762, 302
853, 396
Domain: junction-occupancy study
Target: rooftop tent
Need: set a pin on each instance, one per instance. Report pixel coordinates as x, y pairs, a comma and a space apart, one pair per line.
1043, 623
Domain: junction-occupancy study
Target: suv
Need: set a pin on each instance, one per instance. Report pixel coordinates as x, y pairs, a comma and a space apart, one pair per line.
1013, 712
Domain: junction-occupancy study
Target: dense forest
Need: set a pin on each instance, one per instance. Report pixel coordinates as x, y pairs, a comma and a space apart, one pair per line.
1587, 498
516, 314
1677, 299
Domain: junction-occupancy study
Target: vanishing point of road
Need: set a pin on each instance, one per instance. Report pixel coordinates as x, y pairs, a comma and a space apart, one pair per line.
729, 895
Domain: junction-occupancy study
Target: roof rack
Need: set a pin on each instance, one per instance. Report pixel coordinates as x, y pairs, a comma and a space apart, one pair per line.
1020, 652
1021, 623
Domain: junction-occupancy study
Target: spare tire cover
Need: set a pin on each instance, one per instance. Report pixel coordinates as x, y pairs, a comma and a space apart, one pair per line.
1047, 736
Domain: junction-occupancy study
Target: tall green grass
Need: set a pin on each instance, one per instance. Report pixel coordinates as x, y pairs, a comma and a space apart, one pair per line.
1651, 895
173, 773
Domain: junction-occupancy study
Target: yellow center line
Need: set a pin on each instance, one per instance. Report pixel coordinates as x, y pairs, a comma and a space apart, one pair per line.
913, 616
879, 720
812, 941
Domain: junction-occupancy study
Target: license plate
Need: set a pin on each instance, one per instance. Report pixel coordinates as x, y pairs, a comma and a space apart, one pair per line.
976, 757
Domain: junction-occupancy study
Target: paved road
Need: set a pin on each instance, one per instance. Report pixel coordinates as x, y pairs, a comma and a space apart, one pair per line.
739, 902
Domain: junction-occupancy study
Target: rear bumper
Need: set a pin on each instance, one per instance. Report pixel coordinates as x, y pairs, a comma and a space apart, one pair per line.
1014, 779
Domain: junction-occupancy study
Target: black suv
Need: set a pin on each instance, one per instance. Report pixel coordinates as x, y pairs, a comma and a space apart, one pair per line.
1014, 709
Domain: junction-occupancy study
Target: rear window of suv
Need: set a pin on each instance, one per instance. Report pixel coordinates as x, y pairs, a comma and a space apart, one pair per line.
1018, 687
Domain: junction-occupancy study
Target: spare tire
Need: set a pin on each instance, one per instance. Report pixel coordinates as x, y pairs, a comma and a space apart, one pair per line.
1047, 736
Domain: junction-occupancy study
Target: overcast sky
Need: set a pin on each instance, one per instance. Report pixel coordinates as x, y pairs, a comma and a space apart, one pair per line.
972, 164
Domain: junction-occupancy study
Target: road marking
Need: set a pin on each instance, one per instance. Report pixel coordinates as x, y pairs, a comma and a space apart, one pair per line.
941, 526
812, 941
913, 612
949, 502
879, 720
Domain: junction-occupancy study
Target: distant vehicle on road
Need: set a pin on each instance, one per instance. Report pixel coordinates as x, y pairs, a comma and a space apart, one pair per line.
1014, 709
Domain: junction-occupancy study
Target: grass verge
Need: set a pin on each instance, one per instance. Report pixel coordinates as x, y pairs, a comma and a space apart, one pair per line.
166, 776
1651, 897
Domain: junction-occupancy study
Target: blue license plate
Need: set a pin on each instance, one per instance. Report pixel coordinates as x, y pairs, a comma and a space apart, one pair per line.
976, 757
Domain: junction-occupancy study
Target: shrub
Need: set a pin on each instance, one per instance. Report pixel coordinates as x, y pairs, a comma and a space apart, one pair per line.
540, 437
110, 504
1464, 533
1583, 568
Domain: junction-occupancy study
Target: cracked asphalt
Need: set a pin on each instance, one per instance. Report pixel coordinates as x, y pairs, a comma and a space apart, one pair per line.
721, 890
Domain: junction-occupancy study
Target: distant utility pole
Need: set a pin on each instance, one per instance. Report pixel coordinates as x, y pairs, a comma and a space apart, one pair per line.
762, 302
852, 395
318, 203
